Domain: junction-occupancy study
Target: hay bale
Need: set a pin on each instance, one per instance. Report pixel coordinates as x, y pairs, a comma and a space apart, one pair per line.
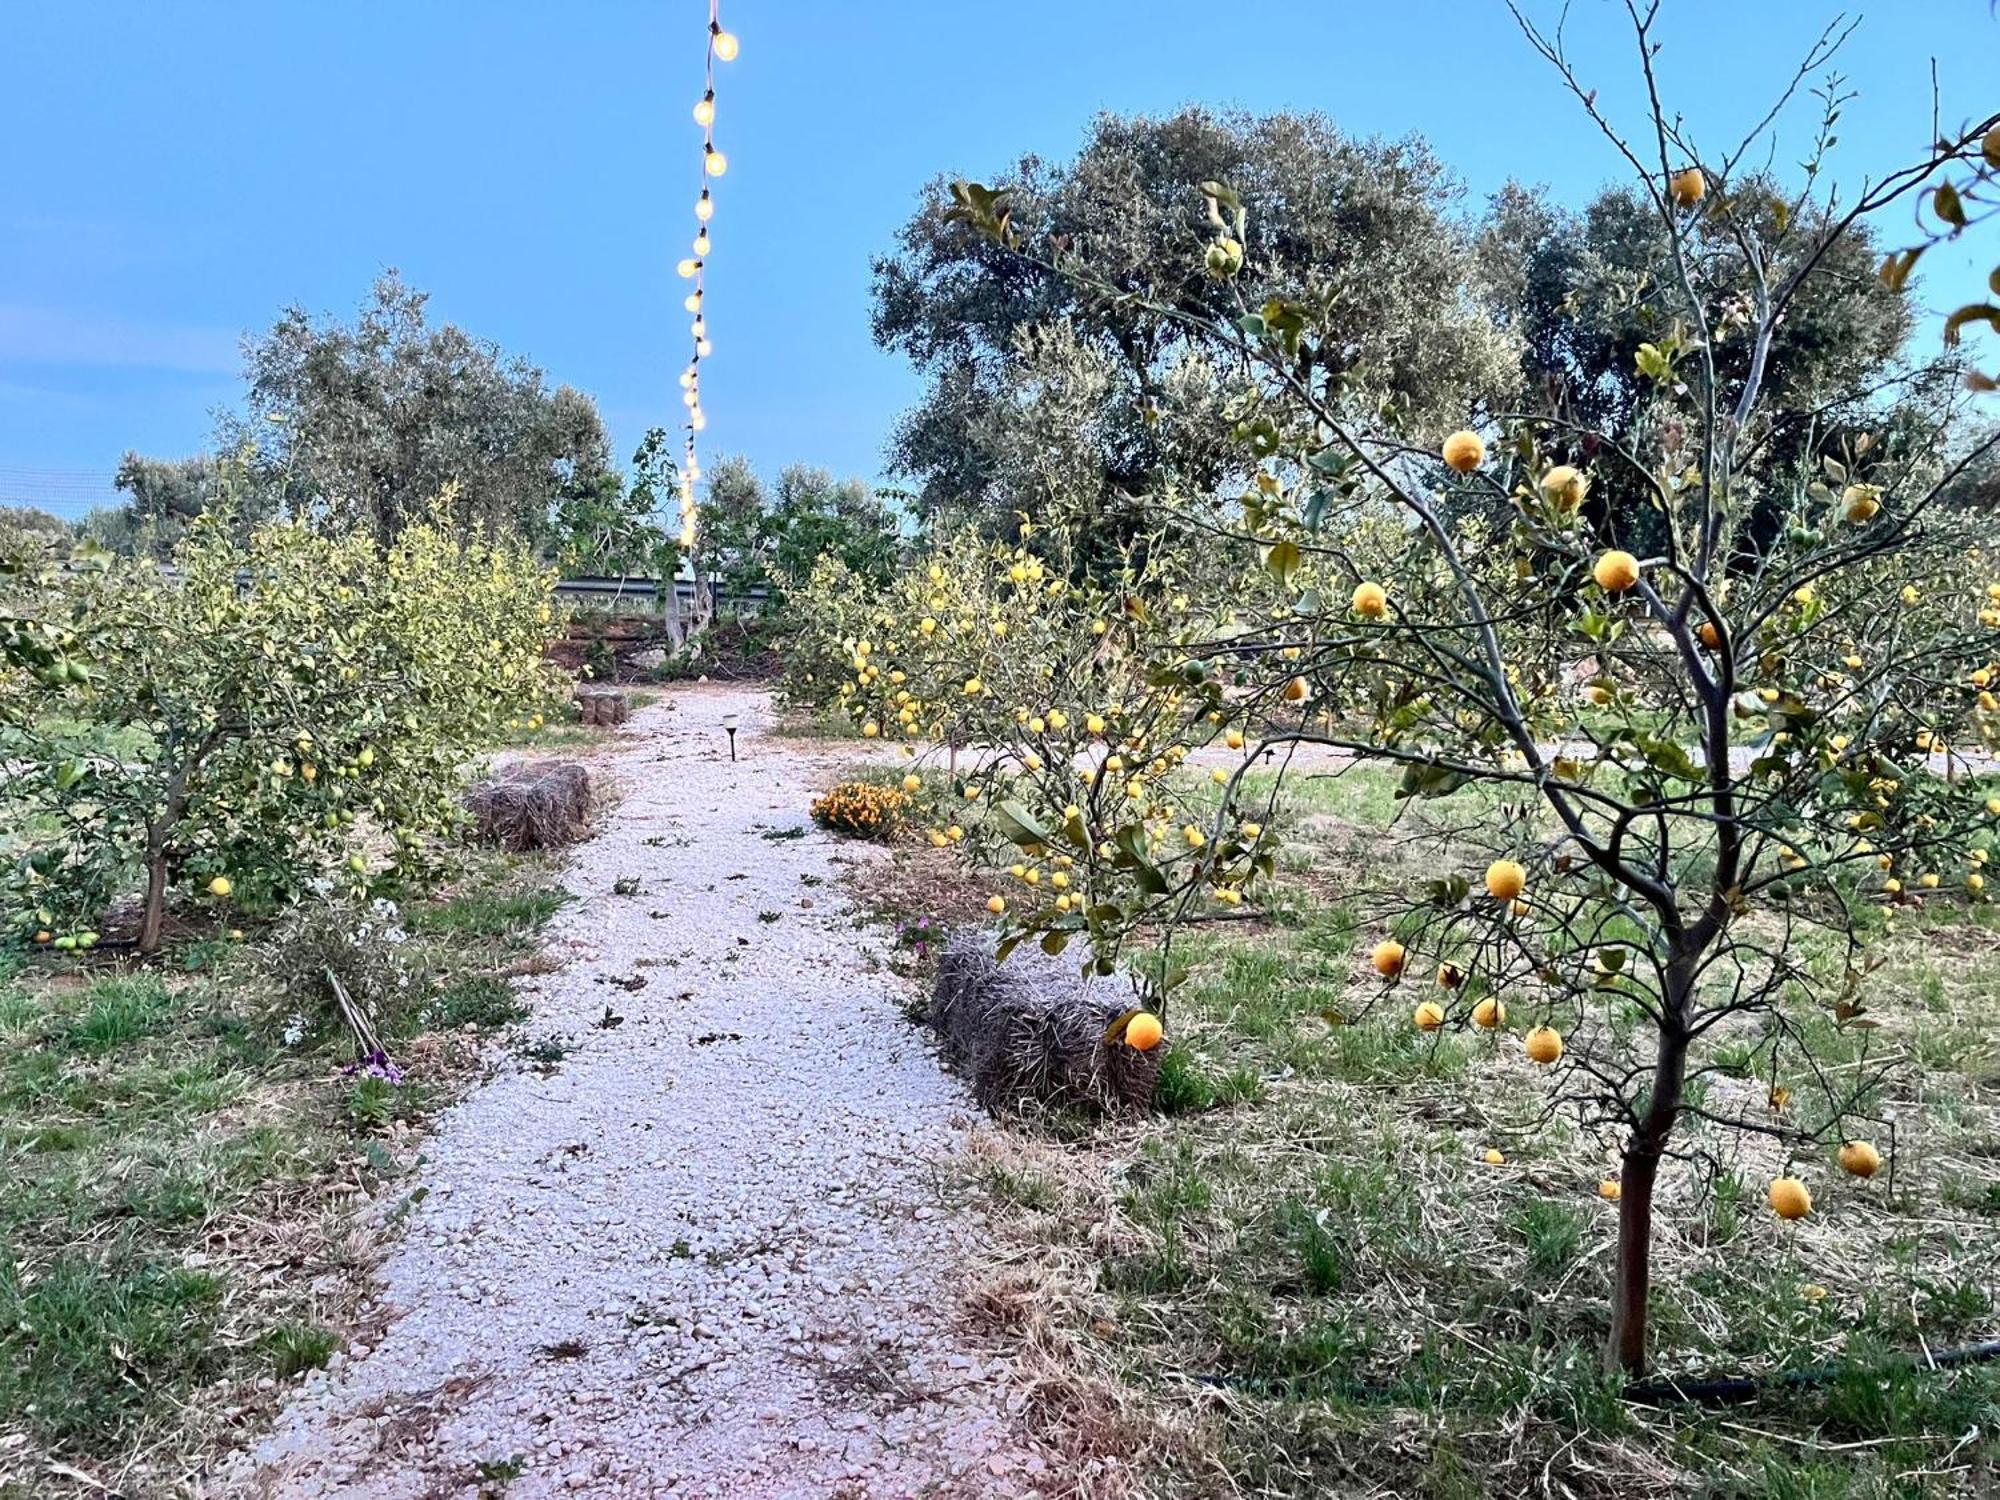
532, 806
603, 706
1031, 1030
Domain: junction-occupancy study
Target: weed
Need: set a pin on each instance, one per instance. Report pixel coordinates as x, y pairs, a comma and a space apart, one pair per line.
294, 1348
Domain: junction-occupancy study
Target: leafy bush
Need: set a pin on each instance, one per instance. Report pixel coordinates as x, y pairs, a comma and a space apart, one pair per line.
248, 719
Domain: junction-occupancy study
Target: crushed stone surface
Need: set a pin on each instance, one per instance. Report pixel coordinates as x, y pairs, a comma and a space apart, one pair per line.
713, 1251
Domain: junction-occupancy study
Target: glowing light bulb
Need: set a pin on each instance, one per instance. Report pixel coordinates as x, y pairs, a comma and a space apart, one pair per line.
703, 347
690, 400
704, 207
692, 302
694, 472
687, 379
704, 112
700, 329
688, 266
701, 243
726, 45
715, 162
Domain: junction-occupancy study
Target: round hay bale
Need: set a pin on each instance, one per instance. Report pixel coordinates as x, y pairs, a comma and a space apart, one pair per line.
532, 806
603, 706
1031, 1031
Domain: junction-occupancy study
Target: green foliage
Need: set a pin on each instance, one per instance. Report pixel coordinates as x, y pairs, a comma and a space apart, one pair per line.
1737, 693
1041, 391
750, 539
87, 1341
362, 425
274, 699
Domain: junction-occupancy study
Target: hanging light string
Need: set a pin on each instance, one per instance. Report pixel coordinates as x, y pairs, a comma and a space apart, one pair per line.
722, 47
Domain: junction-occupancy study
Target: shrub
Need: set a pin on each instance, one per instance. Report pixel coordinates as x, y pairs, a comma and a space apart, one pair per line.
860, 808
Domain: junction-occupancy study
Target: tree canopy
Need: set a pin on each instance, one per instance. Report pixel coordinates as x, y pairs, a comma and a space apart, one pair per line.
1367, 228
363, 424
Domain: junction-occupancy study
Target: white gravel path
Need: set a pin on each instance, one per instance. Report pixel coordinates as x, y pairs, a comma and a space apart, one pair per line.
708, 1255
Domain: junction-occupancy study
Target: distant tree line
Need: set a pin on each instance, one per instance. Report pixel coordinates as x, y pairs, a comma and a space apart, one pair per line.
359, 427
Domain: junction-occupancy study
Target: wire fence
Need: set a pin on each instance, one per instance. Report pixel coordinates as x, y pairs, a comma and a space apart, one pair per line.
66, 494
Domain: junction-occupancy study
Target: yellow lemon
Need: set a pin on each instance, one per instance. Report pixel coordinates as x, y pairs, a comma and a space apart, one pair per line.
1616, 572
1505, 880
1789, 1198
1860, 1158
1464, 451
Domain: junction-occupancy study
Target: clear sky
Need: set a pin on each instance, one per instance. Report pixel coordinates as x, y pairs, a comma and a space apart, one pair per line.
173, 174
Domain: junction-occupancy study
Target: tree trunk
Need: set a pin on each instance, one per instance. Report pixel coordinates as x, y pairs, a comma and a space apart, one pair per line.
154, 920
1626, 1353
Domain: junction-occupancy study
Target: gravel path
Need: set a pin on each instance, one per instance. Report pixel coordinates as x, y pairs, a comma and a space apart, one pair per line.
708, 1255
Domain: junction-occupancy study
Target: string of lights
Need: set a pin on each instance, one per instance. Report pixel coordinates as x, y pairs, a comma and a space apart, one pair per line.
722, 47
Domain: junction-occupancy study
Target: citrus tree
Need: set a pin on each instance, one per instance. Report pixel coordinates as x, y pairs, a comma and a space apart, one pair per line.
267, 709
1671, 760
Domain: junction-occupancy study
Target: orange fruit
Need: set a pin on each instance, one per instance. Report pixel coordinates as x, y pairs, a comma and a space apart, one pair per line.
220, 887
1789, 1198
1387, 958
1143, 1032
1544, 1044
1371, 601
1489, 1013
1296, 690
1450, 976
1492, 1158
1564, 487
1464, 451
997, 905
1860, 1158
1687, 187
1710, 636
1429, 1016
1616, 572
1610, 1190
1505, 880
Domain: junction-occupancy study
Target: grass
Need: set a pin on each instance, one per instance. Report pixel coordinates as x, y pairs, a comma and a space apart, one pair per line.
1300, 1276
164, 1147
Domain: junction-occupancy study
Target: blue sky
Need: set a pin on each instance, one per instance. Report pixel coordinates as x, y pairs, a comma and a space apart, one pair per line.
174, 174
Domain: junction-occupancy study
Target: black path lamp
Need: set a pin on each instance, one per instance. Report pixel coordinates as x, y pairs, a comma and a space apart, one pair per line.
729, 723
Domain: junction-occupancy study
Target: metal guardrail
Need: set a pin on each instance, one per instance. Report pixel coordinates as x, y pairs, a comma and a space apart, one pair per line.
644, 592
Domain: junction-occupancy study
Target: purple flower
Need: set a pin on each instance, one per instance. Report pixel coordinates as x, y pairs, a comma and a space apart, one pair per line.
375, 1065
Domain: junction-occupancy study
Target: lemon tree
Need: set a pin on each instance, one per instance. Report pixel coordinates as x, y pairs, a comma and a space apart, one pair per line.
1673, 758
272, 708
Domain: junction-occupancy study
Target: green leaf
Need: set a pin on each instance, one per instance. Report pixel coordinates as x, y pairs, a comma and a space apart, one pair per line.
1018, 825
1282, 559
